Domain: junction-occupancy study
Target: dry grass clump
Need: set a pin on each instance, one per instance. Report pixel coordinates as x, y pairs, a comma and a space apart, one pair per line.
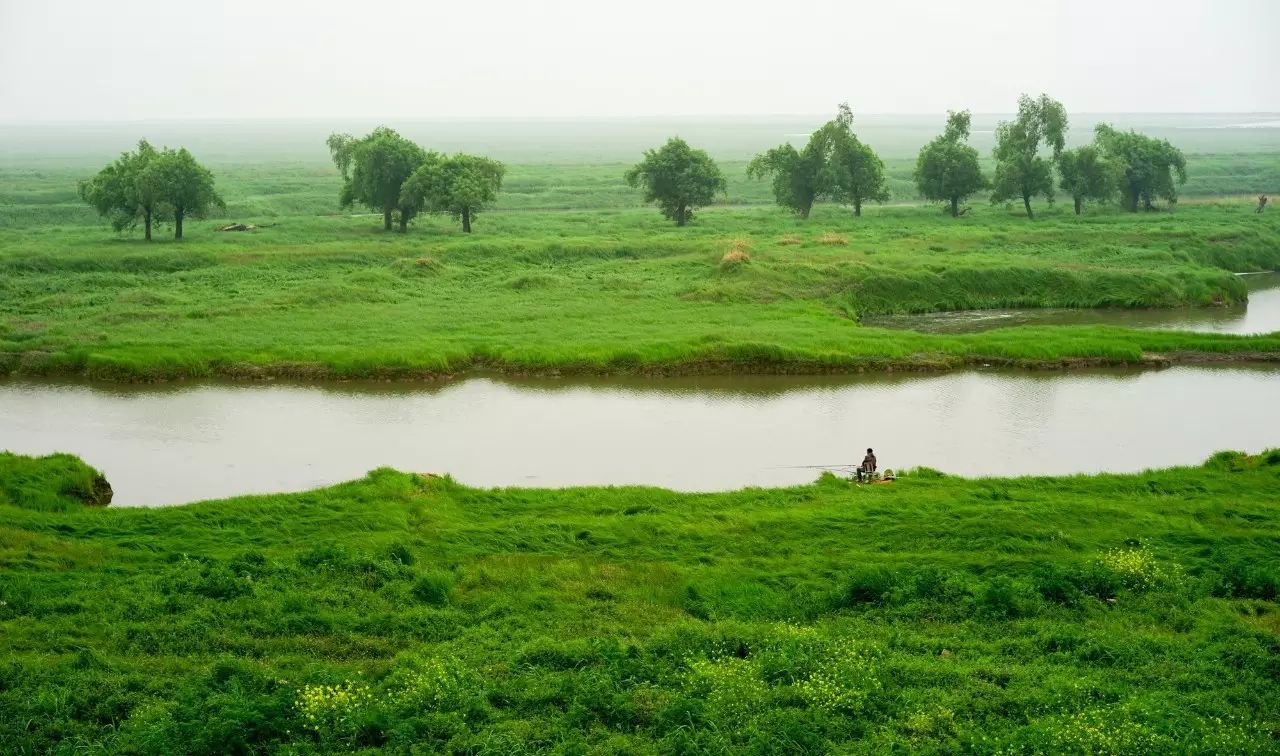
417, 264
833, 239
787, 241
734, 259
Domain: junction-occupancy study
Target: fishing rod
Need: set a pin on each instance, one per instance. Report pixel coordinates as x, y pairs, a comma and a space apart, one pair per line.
813, 467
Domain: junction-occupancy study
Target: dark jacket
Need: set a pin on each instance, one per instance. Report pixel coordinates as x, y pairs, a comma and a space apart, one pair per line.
869, 463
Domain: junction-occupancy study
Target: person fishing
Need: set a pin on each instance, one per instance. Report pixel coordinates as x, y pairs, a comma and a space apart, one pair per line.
868, 466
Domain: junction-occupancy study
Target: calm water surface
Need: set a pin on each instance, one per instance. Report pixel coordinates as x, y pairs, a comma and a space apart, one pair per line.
169, 445
1260, 315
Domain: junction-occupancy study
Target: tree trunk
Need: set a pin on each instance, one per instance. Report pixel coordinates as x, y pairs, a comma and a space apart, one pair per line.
386, 219
857, 207
804, 211
404, 221
680, 216
1078, 204
466, 220
955, 207
1026, 202
146, 223
177, 224
1132, 200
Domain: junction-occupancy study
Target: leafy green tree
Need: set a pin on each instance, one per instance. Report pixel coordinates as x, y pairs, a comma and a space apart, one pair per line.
185, 186
1148, 168
800, 177
1021, 171
857, 173
116, 192
947, 169
677, 177
1086, 175
460, 185
374, 168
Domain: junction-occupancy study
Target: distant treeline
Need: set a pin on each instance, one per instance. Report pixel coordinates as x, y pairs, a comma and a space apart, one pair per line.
1030, 151
400, 180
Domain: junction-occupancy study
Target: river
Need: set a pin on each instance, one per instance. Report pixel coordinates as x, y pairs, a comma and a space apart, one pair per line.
174, 444
1260, 315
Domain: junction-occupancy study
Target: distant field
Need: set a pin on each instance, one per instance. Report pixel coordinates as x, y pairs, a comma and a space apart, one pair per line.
282, 168
611, 290
586, 280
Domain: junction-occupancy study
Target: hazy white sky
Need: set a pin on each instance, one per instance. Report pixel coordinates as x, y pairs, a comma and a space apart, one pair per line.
143, 59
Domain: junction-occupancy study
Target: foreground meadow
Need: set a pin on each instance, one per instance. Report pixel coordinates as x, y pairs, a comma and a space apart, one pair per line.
746, 289
1088, 614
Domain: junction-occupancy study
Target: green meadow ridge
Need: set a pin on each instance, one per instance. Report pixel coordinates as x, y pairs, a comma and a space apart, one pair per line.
740, 290
1084, 614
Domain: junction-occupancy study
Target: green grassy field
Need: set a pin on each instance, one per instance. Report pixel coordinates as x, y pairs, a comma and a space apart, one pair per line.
611, 290
1089, 614
569, 274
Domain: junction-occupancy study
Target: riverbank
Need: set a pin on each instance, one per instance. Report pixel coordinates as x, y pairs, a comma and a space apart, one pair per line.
1103, 613
607, 292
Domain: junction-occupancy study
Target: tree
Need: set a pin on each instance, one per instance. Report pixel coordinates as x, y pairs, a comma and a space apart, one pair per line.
1086, 175
185, 186
116, 191
374, 169
947, 168
1147, 167
677, 177
1021, 171
800, 177
857, 173
461, 185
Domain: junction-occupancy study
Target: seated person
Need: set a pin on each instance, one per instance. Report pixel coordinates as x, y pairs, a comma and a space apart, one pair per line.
868, 467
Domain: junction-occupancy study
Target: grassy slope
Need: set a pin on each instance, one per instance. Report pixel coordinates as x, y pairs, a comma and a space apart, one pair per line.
608, 290
1108, 613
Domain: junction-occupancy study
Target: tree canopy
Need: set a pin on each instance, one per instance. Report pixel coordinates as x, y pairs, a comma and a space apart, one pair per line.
185, 186
856, 172
460, 185
800, 177
1086, 175
947, 168
1021, 170
124, 192
374, 168
679, 178
1148, 168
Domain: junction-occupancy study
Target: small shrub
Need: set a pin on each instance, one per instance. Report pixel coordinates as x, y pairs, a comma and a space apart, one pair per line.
867, 585
732, 688
1228, 461
844, 683
1136, 568
433, 588
429, 685
1001, 597
1243, 580
833, 240
788, 241
400, 554
333, 712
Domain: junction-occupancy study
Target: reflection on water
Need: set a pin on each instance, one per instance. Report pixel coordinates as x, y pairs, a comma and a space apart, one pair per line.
1260, 315
181, 443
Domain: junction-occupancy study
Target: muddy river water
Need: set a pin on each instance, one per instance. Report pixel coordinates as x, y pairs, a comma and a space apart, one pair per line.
175, 444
